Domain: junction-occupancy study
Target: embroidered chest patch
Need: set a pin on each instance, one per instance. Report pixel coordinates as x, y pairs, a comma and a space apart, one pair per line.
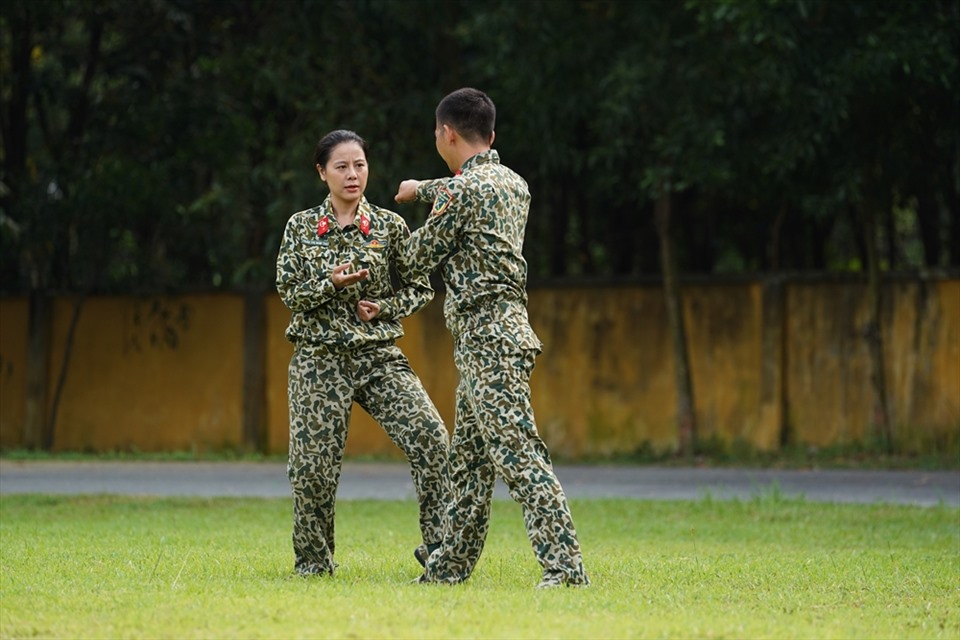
442, 202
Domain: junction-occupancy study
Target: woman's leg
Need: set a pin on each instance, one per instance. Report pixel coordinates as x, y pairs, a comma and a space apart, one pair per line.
320, 396
393, 395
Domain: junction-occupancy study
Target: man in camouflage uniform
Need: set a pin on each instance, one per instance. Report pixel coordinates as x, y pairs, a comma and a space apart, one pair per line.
334, 276
477, 227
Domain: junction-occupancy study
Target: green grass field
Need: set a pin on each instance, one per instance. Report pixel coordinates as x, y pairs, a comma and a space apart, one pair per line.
105, 567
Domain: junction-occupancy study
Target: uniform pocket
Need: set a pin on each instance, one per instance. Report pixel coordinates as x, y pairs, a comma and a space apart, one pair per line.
319, 261
375, 259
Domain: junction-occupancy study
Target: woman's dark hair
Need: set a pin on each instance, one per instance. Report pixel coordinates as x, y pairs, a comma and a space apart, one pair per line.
325, 147
471, 112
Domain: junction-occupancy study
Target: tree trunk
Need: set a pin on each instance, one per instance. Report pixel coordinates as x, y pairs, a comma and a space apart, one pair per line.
773, 396
951, 199
13, 113
50, 428
686, 424
773, 241
254, 370
928, 221
38, 370
559, 223
872, 331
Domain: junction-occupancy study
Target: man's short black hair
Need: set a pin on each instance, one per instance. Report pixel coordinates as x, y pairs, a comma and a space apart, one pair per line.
470, 112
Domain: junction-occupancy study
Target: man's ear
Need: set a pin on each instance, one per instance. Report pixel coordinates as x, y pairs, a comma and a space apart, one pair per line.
493, 136
449, 134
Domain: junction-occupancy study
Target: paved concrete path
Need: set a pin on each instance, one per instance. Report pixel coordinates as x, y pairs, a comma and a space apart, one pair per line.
391, 481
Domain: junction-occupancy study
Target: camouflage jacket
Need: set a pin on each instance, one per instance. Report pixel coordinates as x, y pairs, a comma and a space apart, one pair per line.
313, 244
475, 230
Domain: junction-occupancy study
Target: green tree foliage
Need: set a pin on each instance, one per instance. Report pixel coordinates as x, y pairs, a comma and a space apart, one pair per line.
153, 144
847, 101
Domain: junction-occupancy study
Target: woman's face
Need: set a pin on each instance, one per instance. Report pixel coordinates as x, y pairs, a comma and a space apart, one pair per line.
345, 172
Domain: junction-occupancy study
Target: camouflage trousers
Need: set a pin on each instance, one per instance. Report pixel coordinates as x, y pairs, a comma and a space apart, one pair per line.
496, 434
322, 387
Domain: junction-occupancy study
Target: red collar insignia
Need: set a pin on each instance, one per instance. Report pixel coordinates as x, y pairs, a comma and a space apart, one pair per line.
323, 226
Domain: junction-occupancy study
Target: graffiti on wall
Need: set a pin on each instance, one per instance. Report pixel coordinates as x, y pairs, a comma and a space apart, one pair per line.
156, 324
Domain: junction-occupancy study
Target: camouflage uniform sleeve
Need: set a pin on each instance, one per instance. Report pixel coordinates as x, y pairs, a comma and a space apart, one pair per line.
414, 293
298, 290
427, 189
426, 247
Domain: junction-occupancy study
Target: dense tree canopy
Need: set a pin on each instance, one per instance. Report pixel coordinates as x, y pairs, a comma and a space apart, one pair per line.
162, 144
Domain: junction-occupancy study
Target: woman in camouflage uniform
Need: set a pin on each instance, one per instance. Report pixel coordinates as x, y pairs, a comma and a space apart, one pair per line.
333, 272
474, 234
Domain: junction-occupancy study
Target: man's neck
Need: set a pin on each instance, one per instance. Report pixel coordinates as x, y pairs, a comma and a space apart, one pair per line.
468, 152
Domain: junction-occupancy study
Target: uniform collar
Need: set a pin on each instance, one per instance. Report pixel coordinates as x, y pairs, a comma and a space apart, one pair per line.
328, 219
490, 156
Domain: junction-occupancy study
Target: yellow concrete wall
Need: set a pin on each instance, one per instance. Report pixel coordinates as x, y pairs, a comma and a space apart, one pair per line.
150, 374
724, 329
830, 399
924, 352
154, 373
604, 384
